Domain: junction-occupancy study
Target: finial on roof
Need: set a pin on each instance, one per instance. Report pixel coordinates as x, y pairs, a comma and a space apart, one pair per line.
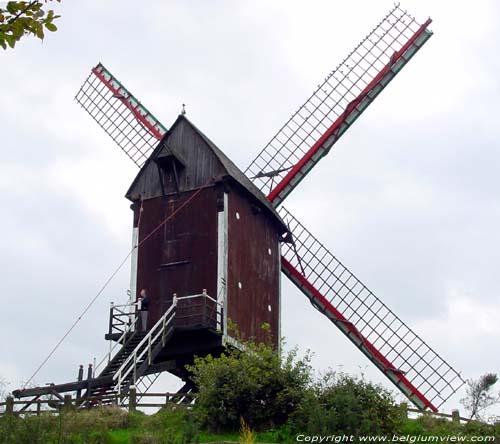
183, 112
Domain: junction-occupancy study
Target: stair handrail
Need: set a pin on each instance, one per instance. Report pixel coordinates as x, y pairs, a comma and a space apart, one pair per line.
158, 329
121, 341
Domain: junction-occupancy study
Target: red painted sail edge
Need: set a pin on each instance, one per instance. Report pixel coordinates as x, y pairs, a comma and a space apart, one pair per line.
137, 115
371, 348
341, 119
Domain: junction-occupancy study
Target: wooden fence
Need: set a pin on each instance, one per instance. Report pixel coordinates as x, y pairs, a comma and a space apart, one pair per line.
454, 416
131, 400
134, 400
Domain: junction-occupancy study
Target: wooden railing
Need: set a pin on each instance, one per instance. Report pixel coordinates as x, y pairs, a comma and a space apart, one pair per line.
454, 416
128, 400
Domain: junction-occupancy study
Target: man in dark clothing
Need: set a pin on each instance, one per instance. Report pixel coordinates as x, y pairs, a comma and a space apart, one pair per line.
144, 309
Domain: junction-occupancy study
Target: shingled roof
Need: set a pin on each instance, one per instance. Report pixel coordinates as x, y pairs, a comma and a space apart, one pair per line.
190, 147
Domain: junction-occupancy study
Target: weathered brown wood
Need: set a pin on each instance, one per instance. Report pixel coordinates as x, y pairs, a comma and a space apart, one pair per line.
201, 161
181, 256
61, 388
9, 405
253, 282
132, 399
455, 415
80, 379
28, 404
68, 402
190, 237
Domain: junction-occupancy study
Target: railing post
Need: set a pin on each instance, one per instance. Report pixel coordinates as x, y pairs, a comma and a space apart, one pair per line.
163, 331
38, 407
455, 416
149, 350
89, 379
135, 367
132, 398
9, 405
111, 317
80, 379
204, 320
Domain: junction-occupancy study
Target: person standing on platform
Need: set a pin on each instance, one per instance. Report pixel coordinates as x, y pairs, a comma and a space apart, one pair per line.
144, 309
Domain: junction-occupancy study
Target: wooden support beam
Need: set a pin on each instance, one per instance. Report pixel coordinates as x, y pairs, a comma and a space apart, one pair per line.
63, 388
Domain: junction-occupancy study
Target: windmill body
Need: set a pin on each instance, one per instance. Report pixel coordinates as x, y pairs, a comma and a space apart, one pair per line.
225, 241
210, 240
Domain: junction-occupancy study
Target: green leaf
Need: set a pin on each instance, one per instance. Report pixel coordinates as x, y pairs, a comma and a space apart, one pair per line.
11, 40
12, 7
39, 31
51, 27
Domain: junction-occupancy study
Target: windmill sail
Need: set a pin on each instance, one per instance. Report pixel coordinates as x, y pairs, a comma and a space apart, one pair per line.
417, 370
336, 104
120, 114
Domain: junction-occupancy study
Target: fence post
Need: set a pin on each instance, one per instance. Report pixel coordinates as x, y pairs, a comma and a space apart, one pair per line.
9, 405
455, 416
404, 409
68, 402
38, 408
132, 399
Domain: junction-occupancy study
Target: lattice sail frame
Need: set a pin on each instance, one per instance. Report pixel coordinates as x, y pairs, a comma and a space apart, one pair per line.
135, 130
345, 93
416, 369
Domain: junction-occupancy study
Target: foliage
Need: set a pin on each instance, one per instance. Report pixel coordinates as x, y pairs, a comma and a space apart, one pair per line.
479, 395
258, 384
349, 405
20, 18
428, 425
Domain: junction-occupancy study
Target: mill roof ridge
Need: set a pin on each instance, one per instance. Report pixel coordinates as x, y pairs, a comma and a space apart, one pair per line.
228, 165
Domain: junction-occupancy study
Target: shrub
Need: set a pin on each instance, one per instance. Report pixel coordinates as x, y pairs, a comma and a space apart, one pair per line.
259, 385
343, 404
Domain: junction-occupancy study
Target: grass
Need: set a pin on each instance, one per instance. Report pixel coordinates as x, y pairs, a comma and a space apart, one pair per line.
111, 425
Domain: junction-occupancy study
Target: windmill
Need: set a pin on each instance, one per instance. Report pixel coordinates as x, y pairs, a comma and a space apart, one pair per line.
166, 170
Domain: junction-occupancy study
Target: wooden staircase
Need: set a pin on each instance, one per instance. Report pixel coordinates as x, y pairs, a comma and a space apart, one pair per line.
129, 362
132, 361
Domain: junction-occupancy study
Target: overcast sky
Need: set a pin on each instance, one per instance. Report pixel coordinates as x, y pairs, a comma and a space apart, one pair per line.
408, 199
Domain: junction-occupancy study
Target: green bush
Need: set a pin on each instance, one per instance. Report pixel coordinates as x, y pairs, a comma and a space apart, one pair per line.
259, 385
343, 404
